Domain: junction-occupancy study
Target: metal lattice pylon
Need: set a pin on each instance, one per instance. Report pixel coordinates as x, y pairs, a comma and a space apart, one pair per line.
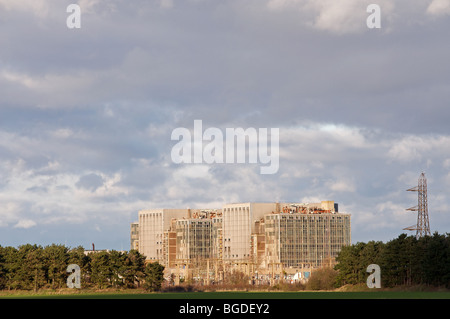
422, 227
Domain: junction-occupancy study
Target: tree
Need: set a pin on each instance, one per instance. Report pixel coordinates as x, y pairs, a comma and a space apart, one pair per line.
154, 276
55, 258
10, 266
78, 257
30, 272
348, 265
436, 260
352, 262
134, 265
371, 254
404, 260
3, 270
397, 260
116, 264
100, 269
33, 267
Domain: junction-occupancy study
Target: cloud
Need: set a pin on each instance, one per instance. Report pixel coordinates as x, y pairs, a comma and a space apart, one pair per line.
90, 182
9, 212
414, 147
86, 115
439, 7
342, 186
167, 4
337, 17
357, 167
93, 6
39, 8
25, 223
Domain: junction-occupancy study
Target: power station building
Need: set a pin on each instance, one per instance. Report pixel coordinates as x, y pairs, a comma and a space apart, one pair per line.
264, 238
305, 239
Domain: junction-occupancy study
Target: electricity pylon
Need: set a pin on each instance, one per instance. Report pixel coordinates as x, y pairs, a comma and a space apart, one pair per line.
422, 227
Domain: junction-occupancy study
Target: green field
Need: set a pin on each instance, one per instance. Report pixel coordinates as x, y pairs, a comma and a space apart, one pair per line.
237, 295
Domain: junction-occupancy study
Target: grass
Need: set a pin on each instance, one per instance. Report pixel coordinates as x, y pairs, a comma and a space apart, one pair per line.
238, 295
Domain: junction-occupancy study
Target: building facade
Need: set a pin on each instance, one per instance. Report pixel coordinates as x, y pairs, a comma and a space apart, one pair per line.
254, 236
238, 226
153, 223
134, 236
194, 240
305, 240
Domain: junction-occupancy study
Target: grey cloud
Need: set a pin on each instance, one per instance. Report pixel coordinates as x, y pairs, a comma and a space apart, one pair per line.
105, 98
90, 182
232, 64
38, 189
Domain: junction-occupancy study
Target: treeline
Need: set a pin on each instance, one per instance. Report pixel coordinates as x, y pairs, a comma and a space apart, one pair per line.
32, 267
404, 261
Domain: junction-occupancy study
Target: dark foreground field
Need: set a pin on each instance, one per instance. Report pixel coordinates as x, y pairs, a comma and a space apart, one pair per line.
233, 295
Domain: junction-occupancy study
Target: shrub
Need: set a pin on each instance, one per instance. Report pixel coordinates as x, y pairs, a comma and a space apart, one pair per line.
322, 279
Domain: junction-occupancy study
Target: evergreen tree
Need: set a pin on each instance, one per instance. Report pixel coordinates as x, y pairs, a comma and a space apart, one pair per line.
100, 269
3, 270
394, 262
134, 264
351, 270
154, 276
436, 259
55, 258
10, 266
30, 272
116, 264
78, 257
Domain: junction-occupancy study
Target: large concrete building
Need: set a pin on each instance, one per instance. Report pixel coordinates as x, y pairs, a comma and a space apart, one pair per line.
134, 236
196, 237
271, 237
300, 240
238, 226
156, 226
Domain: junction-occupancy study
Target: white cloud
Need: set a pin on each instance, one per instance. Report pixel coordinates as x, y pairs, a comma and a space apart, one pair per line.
88, 6
166, 4
38, 7
62, 133
9, 212
418, 147
339, 17
192, 171
342, 186
281, 4
327, 142
446, 163
21, 79
97, 7
25, 223
38, 192
439, 7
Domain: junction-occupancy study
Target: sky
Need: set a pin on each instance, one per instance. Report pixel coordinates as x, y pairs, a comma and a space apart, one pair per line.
86, 114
